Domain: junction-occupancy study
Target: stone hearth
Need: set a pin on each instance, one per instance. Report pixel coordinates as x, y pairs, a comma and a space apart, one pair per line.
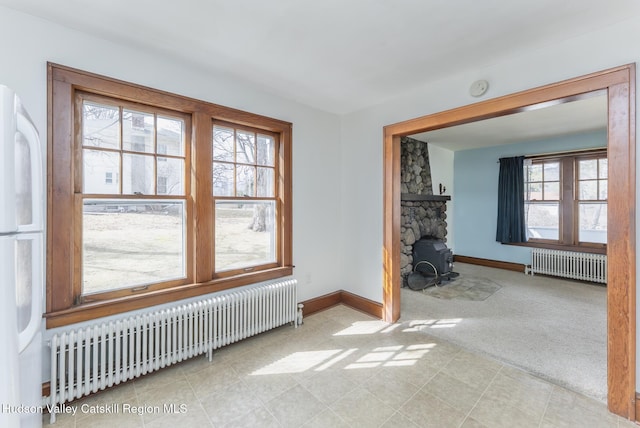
423, 213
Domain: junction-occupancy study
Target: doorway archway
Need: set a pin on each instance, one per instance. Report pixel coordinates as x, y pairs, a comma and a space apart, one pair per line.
619, 83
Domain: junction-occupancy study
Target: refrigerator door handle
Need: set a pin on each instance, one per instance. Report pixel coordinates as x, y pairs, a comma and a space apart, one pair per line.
25, 127
26, 336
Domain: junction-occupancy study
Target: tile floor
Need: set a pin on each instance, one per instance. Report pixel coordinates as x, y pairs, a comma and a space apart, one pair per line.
341, 368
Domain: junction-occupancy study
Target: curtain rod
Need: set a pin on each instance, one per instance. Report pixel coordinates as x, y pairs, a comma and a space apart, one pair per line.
554, 154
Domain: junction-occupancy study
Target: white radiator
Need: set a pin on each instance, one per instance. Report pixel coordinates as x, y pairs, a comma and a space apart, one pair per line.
93, 358
569, 264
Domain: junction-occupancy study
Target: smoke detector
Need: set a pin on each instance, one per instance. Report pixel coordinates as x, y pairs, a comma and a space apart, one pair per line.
478, 88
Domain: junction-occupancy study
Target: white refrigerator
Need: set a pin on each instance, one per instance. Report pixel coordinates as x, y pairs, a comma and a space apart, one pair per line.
21, 265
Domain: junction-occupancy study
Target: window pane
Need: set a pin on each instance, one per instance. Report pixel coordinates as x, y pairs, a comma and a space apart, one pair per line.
588, 169
593, 223
170, 136
245, 234
603, 169
129, 243
97, 167
552, 191
171, 172
266, 150
222, 179
552, 171
535, 172
138, 174
137, 131
534, 192
265, 182
245, 180
245, 147
602, 191
543, 220
223, 144
588, 190
100, 125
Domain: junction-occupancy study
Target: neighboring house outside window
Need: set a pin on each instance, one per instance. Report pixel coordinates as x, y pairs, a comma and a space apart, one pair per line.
566, 200
149, 230
147, 164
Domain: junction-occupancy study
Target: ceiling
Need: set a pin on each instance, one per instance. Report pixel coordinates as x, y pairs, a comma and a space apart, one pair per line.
336, 55
588, 114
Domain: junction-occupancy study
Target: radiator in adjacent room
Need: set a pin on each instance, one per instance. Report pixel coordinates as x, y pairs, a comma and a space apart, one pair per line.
96, 357
569, 264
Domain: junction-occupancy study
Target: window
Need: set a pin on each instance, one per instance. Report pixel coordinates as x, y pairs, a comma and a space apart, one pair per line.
169, 197
566, 200
244, 195
592, 200
130, 237
542, 200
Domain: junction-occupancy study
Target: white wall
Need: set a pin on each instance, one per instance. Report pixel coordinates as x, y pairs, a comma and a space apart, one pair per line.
28, 43
362, 131
441, 163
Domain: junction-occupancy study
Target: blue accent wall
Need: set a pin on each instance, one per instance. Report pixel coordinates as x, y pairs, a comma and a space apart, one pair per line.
476, 193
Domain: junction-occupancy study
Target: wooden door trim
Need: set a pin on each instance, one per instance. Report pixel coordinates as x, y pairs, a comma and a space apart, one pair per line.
619, 85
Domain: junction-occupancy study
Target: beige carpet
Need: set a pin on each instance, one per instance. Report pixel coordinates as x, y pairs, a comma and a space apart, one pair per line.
464, 288
550, 327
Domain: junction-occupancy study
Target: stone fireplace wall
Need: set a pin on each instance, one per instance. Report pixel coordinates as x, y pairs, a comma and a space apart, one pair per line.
415, 172
419, 218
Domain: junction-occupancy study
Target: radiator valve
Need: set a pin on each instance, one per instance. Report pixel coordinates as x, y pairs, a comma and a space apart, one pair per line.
299, 318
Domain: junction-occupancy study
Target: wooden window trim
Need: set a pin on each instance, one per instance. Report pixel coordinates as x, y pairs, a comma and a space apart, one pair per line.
569, 221
594, 249
62, 253
80, 196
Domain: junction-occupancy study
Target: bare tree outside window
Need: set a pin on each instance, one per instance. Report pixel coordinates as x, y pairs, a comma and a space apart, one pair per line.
244, 172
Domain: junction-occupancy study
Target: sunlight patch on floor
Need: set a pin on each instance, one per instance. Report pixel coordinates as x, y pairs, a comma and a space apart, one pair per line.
297, 362
398, 355
392, 356
334, 360
419, 325
391, 328
363, 327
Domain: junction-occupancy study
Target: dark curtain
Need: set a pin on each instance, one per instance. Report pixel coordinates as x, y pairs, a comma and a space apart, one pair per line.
511, 224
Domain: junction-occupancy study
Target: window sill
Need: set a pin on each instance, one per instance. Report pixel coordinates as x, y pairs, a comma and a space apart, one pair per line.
94, 310
593, 249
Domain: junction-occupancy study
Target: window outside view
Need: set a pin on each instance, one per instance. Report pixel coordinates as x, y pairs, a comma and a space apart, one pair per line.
245, 229
542, 200
245, 234
592, 200
128, 242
